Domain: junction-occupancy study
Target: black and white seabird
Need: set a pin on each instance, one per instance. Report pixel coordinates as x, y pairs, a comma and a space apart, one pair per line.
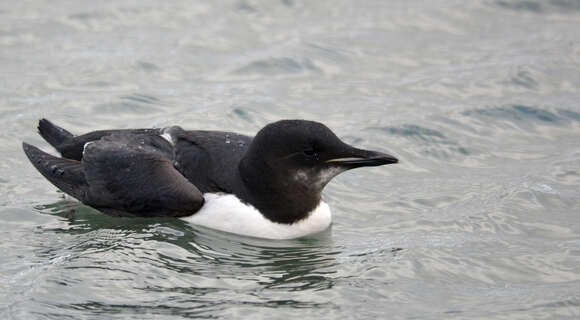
268, 186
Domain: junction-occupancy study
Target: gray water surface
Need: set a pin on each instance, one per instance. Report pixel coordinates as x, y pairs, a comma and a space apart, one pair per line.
480, 100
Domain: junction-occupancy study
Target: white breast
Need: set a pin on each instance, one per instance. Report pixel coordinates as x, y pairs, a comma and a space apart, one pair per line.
167, 136
227, 213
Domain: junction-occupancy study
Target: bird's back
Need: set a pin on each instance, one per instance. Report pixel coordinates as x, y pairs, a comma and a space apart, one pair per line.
210, 159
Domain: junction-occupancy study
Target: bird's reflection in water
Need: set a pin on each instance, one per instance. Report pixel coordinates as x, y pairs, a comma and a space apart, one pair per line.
300, 264
194, 271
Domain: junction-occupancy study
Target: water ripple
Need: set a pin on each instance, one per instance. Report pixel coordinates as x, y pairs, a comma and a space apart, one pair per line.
479, 100
429, 142
523, 116
536, 6
139, 104
277, 66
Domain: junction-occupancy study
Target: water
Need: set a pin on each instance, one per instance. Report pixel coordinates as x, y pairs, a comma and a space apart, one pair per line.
479, 100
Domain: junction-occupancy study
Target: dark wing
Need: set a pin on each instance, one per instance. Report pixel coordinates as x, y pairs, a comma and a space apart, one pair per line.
71, 146
68, 175
124, 174
131, 173
53, 134
210, 159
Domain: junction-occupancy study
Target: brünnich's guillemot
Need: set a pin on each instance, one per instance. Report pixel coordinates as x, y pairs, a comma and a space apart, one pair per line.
268, 186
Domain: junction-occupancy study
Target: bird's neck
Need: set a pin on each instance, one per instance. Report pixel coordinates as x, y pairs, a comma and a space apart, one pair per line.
277, 195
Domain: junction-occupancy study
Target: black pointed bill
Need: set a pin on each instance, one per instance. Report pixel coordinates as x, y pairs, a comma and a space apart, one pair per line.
365, 159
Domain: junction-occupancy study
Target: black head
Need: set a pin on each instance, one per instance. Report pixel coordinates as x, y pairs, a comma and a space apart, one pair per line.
295, 159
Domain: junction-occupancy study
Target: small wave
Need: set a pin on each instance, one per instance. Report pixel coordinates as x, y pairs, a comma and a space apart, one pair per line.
521, 116
141, 98
133, 104
561, 6
524, 78
146, 66
277, 66
417, 132
429, 142
243, 113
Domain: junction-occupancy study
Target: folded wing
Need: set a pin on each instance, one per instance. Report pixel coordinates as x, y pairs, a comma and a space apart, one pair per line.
122, 174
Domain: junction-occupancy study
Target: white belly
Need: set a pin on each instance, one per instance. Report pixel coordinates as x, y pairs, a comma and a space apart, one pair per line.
225, 212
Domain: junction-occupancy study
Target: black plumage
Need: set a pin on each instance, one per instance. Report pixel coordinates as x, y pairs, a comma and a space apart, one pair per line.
138, 172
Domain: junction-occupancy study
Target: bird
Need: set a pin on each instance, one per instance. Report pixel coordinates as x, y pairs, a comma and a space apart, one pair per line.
266, 186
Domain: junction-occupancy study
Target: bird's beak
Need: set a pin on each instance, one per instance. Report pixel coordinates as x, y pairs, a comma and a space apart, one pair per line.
355, 158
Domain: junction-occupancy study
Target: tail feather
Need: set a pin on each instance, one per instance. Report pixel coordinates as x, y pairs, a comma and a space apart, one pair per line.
68, 175
53, 134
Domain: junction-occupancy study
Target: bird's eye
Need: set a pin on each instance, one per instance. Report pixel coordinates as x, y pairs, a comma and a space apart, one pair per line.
309, 152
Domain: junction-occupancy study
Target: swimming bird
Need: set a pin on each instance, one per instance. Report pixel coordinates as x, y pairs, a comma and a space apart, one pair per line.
268, 186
